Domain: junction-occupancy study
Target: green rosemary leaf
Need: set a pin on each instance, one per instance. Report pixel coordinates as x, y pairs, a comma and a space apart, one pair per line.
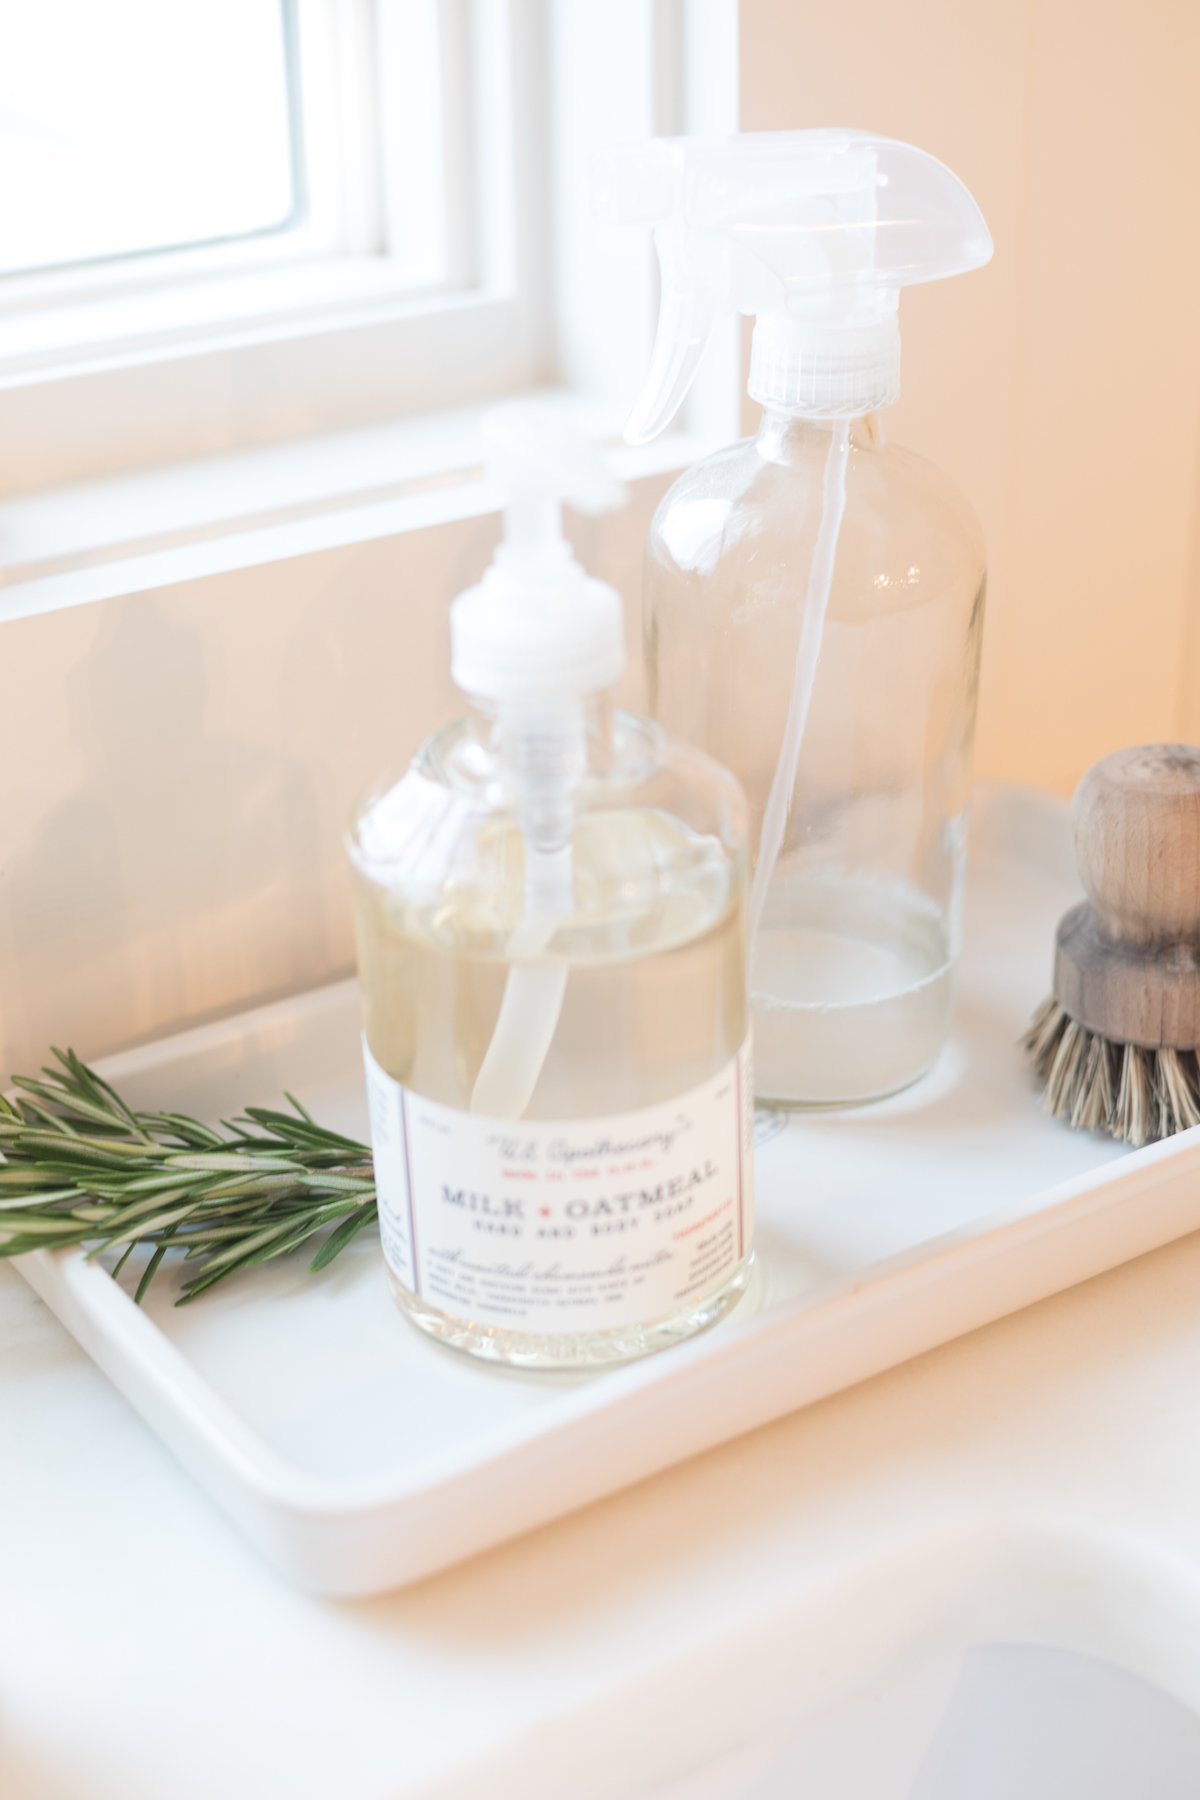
24, 1177
200, 1284
145, 1228
82, 1077
229, 1162
119, 1218
249, 1187
114, 1152
195, 1135
302, 1129
52, 1120
124, 1257
43, 1196
337, 1184
133, 1186
41, 1225
337, 1240
288, 1243
21, 1245
79, 1106
245, 1247
213, 1271
150, 1270
201, 1238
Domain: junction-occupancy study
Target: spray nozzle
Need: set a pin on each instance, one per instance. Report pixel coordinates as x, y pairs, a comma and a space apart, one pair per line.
537, 628
813, 233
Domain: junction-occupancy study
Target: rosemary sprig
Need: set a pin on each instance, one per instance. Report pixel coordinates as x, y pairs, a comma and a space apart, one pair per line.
79, 1166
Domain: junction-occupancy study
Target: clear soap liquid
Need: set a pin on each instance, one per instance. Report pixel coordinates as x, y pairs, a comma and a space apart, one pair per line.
654, 1005
851, 990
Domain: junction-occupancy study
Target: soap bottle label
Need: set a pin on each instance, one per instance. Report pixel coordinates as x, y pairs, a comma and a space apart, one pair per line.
565, 1226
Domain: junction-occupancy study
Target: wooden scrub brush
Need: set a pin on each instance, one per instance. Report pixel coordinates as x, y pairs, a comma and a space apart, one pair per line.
1116, 1045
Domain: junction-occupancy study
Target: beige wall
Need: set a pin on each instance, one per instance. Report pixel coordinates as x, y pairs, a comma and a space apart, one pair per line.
1061, 385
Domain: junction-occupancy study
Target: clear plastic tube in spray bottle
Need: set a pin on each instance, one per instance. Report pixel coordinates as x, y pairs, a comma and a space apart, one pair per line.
808, 651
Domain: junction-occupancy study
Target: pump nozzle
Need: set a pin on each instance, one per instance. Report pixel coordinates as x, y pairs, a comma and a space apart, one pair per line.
813, 233
537, 626
535, 449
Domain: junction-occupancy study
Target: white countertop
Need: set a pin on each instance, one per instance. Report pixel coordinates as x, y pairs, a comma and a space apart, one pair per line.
145, 1652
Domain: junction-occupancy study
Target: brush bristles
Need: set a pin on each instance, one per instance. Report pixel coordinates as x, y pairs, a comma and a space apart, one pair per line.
1097, 1085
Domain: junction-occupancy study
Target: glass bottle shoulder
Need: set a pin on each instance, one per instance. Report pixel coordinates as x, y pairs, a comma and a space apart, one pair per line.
655, 839
750, 514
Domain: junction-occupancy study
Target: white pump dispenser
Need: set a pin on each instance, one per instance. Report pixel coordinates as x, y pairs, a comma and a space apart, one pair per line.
538, 631
813, 233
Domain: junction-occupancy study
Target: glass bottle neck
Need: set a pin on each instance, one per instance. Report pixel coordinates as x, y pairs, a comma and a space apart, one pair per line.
786, 437
587, 723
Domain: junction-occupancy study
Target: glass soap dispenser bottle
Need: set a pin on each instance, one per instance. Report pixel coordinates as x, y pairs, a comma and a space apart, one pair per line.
814, 594
550, 908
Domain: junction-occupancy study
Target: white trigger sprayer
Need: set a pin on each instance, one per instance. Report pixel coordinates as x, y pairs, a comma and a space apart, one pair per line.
532, 642
813, 233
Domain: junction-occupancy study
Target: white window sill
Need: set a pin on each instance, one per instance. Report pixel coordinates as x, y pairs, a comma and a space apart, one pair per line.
217, 313
74, 545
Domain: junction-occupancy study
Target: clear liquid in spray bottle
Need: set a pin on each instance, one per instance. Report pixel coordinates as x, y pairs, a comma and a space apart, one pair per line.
813, 595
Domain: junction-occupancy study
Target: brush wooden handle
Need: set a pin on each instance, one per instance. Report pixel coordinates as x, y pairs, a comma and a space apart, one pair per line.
1128, 961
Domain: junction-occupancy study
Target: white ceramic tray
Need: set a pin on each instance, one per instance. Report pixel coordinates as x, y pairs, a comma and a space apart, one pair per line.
358, 1456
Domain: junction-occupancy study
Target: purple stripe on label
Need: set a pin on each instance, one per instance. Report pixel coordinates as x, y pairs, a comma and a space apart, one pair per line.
740, 1151
408, 1190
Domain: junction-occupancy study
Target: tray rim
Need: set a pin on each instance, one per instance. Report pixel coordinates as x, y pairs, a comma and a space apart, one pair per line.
979, 1271
68, 1276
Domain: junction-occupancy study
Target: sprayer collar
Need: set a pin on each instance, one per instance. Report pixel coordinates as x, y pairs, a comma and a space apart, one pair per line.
825, 371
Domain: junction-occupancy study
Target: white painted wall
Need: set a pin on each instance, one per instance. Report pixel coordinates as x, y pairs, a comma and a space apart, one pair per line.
1061, 385
177, 767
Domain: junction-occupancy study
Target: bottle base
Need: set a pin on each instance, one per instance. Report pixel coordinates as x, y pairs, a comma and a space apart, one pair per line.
553, 1352
851, 992
819, 1103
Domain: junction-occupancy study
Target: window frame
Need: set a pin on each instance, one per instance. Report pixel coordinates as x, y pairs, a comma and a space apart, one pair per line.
356, 417
155, 357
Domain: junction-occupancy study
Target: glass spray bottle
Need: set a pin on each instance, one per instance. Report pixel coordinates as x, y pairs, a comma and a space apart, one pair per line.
550, 911
814, 595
